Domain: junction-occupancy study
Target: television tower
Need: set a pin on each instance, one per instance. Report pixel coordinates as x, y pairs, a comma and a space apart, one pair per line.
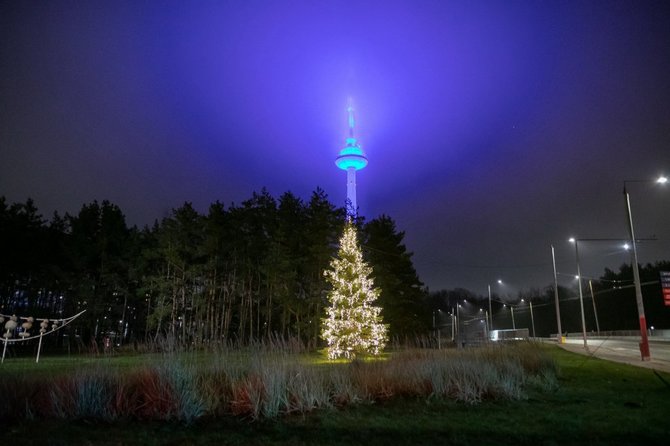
351, 159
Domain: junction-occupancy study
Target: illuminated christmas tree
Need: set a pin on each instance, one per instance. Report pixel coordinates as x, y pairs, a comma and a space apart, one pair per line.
353, 324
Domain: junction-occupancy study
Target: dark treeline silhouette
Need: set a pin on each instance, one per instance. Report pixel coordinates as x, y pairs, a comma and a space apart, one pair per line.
246, 272
252, 271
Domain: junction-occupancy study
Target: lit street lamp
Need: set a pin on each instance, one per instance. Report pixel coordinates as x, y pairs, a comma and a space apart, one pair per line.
581, 296
644, 342
490, 310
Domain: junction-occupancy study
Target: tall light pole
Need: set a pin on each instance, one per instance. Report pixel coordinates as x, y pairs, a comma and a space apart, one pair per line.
486, 321
532, 319
595, 311
558, 310
439, 331
581, 296
458, 325
511, 308
490, 312
644, 340
434, 325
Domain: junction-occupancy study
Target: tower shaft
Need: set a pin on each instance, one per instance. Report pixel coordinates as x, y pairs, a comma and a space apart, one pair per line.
351, 192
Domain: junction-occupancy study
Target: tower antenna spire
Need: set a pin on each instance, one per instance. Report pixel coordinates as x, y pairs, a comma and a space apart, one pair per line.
350, 109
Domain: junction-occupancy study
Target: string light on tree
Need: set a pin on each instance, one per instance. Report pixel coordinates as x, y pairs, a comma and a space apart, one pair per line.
353, 324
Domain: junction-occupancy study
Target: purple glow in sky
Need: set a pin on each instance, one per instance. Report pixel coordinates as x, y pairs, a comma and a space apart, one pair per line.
492, 128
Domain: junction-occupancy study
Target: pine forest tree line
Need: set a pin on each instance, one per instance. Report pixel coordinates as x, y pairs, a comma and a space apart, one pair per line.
246, 272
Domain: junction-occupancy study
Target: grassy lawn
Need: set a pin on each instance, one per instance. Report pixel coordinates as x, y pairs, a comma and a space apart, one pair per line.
597, 403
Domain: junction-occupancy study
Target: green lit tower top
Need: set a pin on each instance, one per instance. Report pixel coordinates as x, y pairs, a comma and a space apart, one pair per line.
351, 159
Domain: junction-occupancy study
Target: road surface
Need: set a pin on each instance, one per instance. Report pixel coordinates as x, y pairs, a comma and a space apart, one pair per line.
622, 349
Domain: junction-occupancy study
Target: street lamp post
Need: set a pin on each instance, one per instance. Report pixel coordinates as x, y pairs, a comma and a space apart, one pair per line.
532, 319
558, 311
595, 311
485, 321
581, 296
490, 312
439, 331
436, 332
458, 325
644, 340
512, 310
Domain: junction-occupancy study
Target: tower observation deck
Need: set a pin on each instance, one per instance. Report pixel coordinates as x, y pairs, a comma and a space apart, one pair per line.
351, 159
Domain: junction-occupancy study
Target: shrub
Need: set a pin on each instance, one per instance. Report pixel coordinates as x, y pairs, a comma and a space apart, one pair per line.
86, 394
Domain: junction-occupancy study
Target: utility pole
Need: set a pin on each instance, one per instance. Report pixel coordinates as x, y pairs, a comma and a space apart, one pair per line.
490, 311
532, 319
595, 311
581, 294
558, 310
644, 342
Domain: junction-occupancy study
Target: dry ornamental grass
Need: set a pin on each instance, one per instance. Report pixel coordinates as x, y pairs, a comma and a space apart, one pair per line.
267, 383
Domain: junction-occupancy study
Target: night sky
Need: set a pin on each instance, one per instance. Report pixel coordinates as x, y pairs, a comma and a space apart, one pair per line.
492, 129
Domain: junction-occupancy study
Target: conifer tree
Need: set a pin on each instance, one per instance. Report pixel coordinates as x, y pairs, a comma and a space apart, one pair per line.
353, 324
